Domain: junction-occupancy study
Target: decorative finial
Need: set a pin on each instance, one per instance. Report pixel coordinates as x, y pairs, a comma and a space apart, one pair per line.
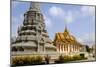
34, 6
66, 28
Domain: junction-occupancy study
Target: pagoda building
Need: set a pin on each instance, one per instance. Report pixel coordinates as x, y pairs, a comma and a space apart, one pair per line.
32, 35
66, 43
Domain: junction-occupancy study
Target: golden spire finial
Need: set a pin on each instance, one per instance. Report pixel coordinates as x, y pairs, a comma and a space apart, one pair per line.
66, 28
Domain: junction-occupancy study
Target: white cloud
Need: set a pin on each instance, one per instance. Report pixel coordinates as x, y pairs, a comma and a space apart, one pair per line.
48, 21
69, 17
88, 10
59, 13
56, 11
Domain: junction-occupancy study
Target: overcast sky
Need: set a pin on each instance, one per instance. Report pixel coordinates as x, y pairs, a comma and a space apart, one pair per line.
80, 20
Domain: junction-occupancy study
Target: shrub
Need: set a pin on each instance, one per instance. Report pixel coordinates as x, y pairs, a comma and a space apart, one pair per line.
38, 60
82, 56
66, 58
76, 57
32, 59
63, 59
26, 60
17, 61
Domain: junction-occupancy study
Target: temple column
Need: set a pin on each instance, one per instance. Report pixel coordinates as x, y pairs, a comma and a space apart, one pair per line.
73, 47
58, 48
67, 47
63, 48
70, 48
77, 48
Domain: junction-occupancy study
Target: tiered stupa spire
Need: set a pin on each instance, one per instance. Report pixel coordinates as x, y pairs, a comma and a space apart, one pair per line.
32, 35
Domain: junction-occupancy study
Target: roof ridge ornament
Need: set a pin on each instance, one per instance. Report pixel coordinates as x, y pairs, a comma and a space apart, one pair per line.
66, 31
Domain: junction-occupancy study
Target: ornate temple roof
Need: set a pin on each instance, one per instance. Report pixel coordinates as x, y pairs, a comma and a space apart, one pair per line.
64, 36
